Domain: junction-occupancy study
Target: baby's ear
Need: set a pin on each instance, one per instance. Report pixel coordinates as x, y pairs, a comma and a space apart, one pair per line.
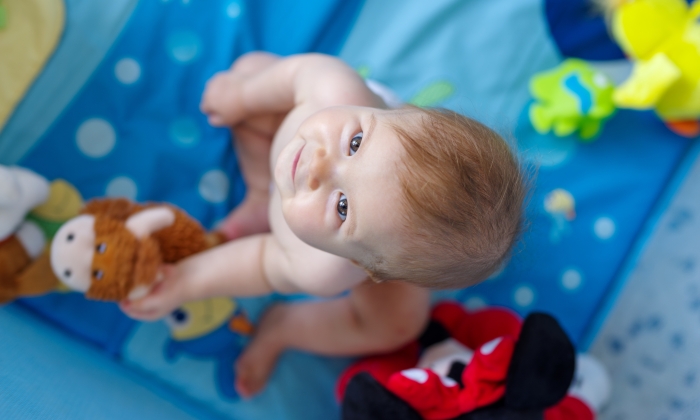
148, 221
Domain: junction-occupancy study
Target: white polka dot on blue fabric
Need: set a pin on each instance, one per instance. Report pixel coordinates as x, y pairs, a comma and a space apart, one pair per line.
571, 279
604, 228
233, 10
185, 132
524, 296
213, 186
475, 302
96, 137
184, 46
127, 70
122, 186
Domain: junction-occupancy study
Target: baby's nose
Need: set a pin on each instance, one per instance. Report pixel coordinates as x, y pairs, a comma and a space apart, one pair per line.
319, 169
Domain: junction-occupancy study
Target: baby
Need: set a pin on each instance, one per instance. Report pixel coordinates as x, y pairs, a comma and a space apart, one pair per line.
344, 194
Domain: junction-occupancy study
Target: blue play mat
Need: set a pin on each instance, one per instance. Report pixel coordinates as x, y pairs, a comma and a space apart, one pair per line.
115, 113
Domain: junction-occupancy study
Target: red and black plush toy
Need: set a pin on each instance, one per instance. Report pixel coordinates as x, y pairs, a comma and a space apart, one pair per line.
482, 365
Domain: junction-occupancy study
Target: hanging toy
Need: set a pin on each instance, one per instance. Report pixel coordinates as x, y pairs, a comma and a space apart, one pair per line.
662, 39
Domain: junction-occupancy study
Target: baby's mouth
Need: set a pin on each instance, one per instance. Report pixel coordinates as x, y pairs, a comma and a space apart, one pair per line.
295, 163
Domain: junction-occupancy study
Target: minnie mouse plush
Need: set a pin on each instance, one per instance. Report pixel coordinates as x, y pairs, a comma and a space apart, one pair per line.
482, 365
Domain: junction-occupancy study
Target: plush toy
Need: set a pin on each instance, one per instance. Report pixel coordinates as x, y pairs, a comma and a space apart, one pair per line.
24, 265
477, 365
662, 38
572, 98
112, 251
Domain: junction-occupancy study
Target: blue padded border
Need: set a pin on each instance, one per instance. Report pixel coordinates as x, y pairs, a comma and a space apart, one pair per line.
640, 244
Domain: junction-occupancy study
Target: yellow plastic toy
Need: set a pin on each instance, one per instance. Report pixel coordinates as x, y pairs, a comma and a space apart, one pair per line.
29, 32
662, 38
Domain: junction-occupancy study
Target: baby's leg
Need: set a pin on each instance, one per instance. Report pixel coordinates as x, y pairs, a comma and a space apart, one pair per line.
373, 318
252, 140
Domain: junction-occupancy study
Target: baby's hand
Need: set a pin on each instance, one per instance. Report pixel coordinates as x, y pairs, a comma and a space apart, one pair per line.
222, 100
165, 296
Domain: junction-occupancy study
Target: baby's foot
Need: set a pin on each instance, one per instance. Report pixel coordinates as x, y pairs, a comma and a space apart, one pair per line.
255, 365
249, 218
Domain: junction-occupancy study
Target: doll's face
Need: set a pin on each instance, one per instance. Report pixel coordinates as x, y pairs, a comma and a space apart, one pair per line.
72, 251
105, 257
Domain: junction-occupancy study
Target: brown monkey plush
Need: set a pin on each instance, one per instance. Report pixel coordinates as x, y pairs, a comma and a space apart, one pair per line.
112, 251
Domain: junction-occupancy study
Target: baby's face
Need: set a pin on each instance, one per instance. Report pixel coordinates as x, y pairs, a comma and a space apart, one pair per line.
338, 181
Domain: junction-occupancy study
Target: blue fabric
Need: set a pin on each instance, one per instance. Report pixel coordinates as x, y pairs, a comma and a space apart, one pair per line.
90, 29
134, 129
302, 385
45, 374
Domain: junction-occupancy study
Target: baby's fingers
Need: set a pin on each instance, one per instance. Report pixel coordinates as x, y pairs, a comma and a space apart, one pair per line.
135, 313
160, 301
219, 100
213, 97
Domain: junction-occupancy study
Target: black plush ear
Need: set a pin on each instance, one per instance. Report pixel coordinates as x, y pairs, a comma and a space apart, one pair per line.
434, 333
542, 366
365, 398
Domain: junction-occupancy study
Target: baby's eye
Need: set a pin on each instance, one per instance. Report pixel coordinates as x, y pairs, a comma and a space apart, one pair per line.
343, 207
355, 143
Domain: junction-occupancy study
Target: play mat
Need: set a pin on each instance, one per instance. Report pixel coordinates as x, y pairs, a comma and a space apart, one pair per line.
105, 97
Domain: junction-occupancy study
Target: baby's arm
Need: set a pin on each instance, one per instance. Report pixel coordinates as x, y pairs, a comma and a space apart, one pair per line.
282, 85
234, 268
374, 318
251, 266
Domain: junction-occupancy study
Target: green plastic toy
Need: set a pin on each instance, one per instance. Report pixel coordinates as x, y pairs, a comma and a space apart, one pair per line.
572, 98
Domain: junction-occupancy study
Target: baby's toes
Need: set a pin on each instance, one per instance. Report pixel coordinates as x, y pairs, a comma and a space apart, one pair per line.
246, 383
253, 369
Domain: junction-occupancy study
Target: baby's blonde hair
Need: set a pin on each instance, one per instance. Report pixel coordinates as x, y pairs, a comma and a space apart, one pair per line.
464, 191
